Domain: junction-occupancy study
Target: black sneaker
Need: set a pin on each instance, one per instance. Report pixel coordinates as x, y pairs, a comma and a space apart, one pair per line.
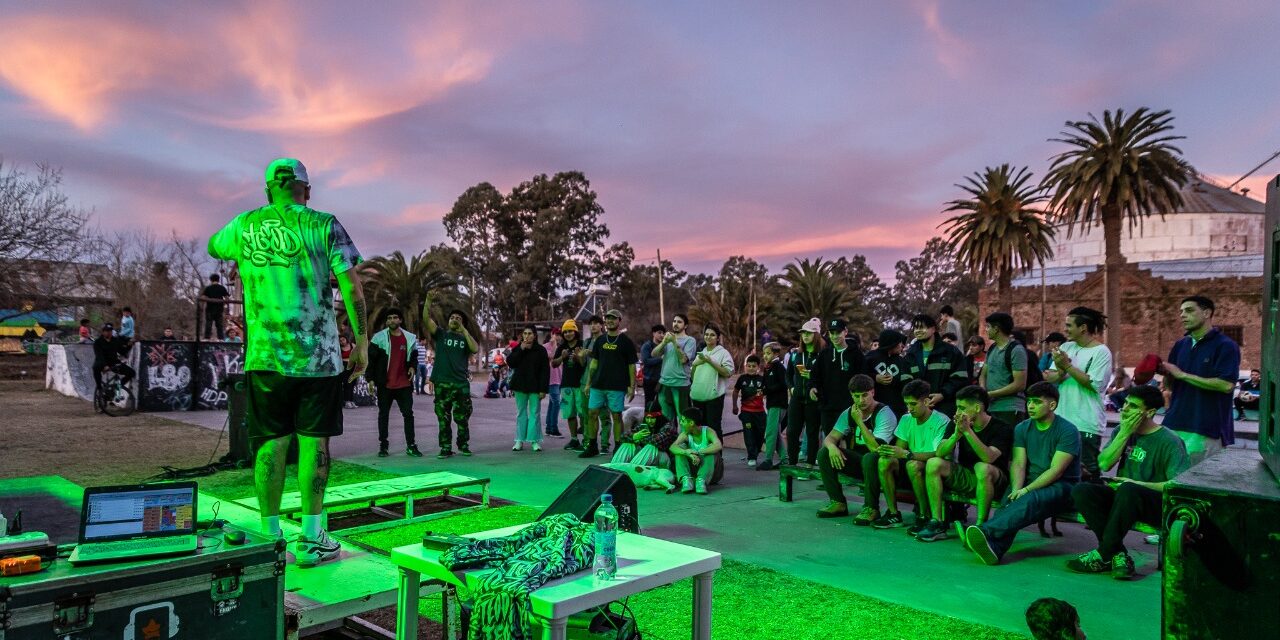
573, 445
1122, 566
891, 520
444, 453
382, 452
412, 450
464, 450
765, 466
980, 545
590, 451
604, 447
1089, 562
917, 525
933, 531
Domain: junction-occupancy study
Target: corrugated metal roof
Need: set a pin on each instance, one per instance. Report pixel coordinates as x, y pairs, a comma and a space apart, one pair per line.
1203, 197
1184, 269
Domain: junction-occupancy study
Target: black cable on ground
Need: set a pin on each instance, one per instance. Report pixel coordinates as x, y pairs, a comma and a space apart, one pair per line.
208, 469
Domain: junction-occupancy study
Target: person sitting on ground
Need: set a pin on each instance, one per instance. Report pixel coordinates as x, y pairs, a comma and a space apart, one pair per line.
1045, 466
983, 442
847, 452
1249, 394
495, 382
695, 448
650, 441
1054, 619
1150, 456
915, 441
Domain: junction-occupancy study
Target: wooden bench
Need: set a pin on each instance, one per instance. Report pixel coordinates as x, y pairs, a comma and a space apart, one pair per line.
388, 492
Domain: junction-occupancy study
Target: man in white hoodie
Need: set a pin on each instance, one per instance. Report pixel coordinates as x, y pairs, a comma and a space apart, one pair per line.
391, 365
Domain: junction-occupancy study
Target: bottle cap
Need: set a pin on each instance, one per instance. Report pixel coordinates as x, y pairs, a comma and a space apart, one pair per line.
606, 498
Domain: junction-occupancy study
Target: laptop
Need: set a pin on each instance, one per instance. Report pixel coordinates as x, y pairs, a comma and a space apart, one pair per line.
137, 521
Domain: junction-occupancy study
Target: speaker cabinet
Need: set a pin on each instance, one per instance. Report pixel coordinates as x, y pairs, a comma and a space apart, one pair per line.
1222, 550
583, 496
1268, 429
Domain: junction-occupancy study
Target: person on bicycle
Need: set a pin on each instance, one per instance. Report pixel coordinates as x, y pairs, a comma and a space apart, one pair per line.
107, 350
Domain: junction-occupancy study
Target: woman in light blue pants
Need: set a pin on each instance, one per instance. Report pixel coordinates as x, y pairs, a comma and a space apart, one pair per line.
530, 379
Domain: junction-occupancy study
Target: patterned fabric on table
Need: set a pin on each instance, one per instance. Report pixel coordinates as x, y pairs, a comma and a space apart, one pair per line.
553, 547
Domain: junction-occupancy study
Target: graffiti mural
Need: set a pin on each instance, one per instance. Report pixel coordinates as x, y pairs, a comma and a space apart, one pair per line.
217, 361
164, 378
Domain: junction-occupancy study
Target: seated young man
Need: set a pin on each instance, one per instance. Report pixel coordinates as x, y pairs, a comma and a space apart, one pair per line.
866, 421
1150, 456
695, 448
915, 441
649, 442
981, 471
1045, 466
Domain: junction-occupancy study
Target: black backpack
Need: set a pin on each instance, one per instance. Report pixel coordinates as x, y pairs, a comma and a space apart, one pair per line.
1033, 367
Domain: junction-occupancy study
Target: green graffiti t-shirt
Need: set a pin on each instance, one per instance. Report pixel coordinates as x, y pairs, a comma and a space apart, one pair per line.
285, 254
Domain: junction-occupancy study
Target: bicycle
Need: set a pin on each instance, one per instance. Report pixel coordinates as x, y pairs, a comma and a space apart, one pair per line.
113, 397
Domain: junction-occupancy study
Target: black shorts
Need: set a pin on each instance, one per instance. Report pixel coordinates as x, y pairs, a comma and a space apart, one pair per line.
278, 406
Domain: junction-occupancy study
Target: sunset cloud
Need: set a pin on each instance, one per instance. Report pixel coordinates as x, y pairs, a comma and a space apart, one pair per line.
707, 129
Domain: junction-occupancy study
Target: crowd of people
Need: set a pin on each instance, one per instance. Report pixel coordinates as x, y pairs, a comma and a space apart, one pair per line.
1020, 435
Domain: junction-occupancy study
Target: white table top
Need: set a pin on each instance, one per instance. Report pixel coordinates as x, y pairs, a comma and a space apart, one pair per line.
643, 563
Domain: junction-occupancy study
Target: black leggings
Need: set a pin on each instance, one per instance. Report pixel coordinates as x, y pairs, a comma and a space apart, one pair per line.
712, 414
802, 416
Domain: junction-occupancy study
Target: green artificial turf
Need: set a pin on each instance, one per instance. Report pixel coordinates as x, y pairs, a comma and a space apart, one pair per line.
238, 483
749, 601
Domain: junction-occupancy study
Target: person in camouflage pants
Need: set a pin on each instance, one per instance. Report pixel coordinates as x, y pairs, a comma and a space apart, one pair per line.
453, 405
453, 347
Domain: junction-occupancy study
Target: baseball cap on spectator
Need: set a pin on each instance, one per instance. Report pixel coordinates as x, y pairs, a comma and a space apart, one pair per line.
294, 167
1146, 369
1055, 337
836, 324
890, 339
614, 313
108, 327
814, 325
569, 325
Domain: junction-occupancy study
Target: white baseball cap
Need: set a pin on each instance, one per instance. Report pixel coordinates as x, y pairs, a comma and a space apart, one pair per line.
814, 325
293, 165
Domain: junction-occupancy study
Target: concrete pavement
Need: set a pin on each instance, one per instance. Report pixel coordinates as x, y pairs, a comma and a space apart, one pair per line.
743, 519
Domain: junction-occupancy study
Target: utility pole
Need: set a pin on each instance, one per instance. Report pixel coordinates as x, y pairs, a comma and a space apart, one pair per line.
662, 307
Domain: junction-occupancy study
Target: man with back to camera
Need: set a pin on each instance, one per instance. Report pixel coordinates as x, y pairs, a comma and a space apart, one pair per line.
285, 252
215, 298
1201, 374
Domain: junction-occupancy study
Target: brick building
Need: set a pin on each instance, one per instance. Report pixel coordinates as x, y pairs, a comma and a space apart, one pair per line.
1212, 247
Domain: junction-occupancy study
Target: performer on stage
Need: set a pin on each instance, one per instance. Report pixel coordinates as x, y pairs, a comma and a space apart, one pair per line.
285, 252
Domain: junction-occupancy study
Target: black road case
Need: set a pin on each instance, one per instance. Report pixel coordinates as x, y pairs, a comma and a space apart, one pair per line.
1222, 554
221, 592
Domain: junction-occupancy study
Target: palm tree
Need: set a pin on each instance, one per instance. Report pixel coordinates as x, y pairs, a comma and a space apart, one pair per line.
391, 281
1120, 169
813, 290
1000, 233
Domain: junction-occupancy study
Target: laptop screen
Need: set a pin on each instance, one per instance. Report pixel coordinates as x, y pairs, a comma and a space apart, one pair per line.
113, 513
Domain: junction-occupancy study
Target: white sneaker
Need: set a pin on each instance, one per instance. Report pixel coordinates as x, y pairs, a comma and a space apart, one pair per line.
536, 447
518, 446
751, 463
686, 485
700, 486
309, 553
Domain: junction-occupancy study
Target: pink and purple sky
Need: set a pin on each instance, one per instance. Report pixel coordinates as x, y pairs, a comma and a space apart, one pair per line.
708, 129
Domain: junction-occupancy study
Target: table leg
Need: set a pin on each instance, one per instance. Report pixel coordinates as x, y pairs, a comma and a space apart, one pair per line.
702, 605
555, 629
407, 605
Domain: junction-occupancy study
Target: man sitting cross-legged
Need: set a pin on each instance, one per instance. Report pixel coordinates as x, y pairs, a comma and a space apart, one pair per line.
867, 421
1045, 466
981, 470
1150, 456
915, 441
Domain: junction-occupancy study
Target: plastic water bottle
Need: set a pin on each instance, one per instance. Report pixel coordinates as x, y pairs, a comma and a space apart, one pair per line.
606, 563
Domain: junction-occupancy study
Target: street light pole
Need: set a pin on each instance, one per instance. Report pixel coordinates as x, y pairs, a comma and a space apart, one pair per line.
662, 307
